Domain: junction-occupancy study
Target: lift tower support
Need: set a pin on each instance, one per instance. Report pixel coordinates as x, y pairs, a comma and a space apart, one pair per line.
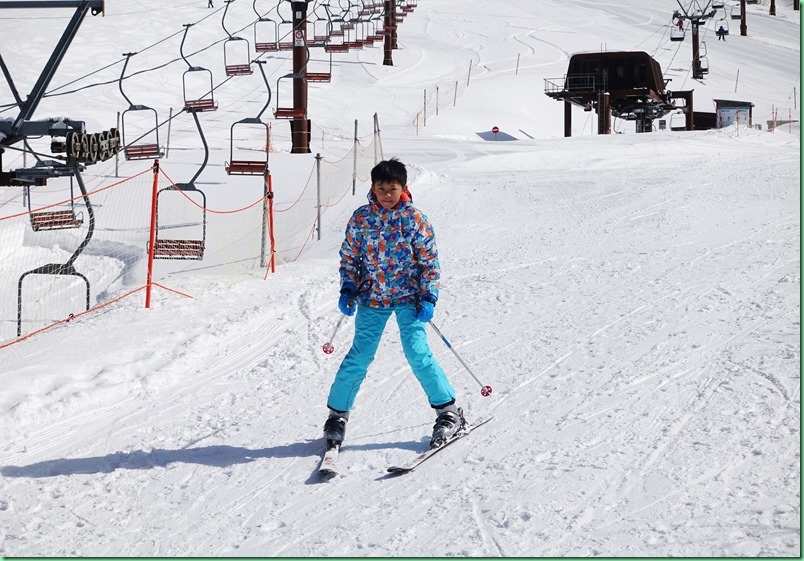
300, 126
696, 19
21, 128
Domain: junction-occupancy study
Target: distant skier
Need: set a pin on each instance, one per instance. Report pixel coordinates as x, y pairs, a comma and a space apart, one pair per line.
391, 244
721, 33
209, 4
680, 24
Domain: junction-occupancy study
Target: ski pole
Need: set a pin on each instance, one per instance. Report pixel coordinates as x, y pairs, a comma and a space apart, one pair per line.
485, 390
328, 348
364, 286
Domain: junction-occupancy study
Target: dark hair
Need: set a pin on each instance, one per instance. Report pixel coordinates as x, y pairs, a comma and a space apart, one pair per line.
391, 171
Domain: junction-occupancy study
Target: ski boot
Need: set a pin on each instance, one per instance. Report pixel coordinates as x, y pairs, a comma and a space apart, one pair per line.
335, 428
448, 422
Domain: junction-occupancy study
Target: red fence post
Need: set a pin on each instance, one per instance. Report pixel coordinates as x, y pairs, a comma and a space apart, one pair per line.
152, 237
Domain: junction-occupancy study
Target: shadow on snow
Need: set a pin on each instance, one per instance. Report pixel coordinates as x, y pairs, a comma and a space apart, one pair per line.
219, 456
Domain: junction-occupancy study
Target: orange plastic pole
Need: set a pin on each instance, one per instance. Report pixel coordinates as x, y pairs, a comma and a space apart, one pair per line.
152, 237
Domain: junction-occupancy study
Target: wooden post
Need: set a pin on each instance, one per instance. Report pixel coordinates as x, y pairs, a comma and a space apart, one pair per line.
772, 11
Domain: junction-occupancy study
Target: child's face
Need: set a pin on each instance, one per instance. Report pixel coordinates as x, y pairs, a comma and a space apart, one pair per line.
388, 193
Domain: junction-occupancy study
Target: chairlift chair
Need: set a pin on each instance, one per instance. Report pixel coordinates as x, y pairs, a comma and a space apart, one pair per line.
198, 97
284, 30
266, 36
355, 35
373, 32
236, 56
724, 23
318, 76
703, 59
735, 12
52, 218
319, 29
336, 29
378, 21
146, 145
677, 33
717, 4
236, 50
173, 248
335, 42
287, 112
244, 166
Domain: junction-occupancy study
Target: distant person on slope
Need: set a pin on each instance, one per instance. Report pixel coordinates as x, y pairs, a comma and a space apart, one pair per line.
721, 33
389, 251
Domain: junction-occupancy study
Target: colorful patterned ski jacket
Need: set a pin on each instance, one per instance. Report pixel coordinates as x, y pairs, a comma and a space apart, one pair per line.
394, 248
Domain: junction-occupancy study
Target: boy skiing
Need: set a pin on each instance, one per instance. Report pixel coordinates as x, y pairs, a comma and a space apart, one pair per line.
389, 251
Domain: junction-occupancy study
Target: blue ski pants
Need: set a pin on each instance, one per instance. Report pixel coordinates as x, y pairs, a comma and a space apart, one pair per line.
369, 326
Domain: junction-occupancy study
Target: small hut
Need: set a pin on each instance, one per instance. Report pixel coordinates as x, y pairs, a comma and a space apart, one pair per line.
729, 111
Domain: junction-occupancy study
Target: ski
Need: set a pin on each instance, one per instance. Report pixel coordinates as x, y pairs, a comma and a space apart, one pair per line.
329, 463
417, 461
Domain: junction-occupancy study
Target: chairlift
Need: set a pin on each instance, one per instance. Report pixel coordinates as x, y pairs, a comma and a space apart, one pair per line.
242, 166
336, 31
318, 76
266, 35
735, 12
287, 112
67, 268
318, 28
703, 60
377, 29
356, 36
335, 42
197, 84
55, 217
284, 31
236, 50
174, 247
722, 23
677, 33
717, 4
139, 118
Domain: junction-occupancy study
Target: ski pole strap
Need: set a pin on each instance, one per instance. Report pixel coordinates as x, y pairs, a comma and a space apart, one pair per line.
364, 286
